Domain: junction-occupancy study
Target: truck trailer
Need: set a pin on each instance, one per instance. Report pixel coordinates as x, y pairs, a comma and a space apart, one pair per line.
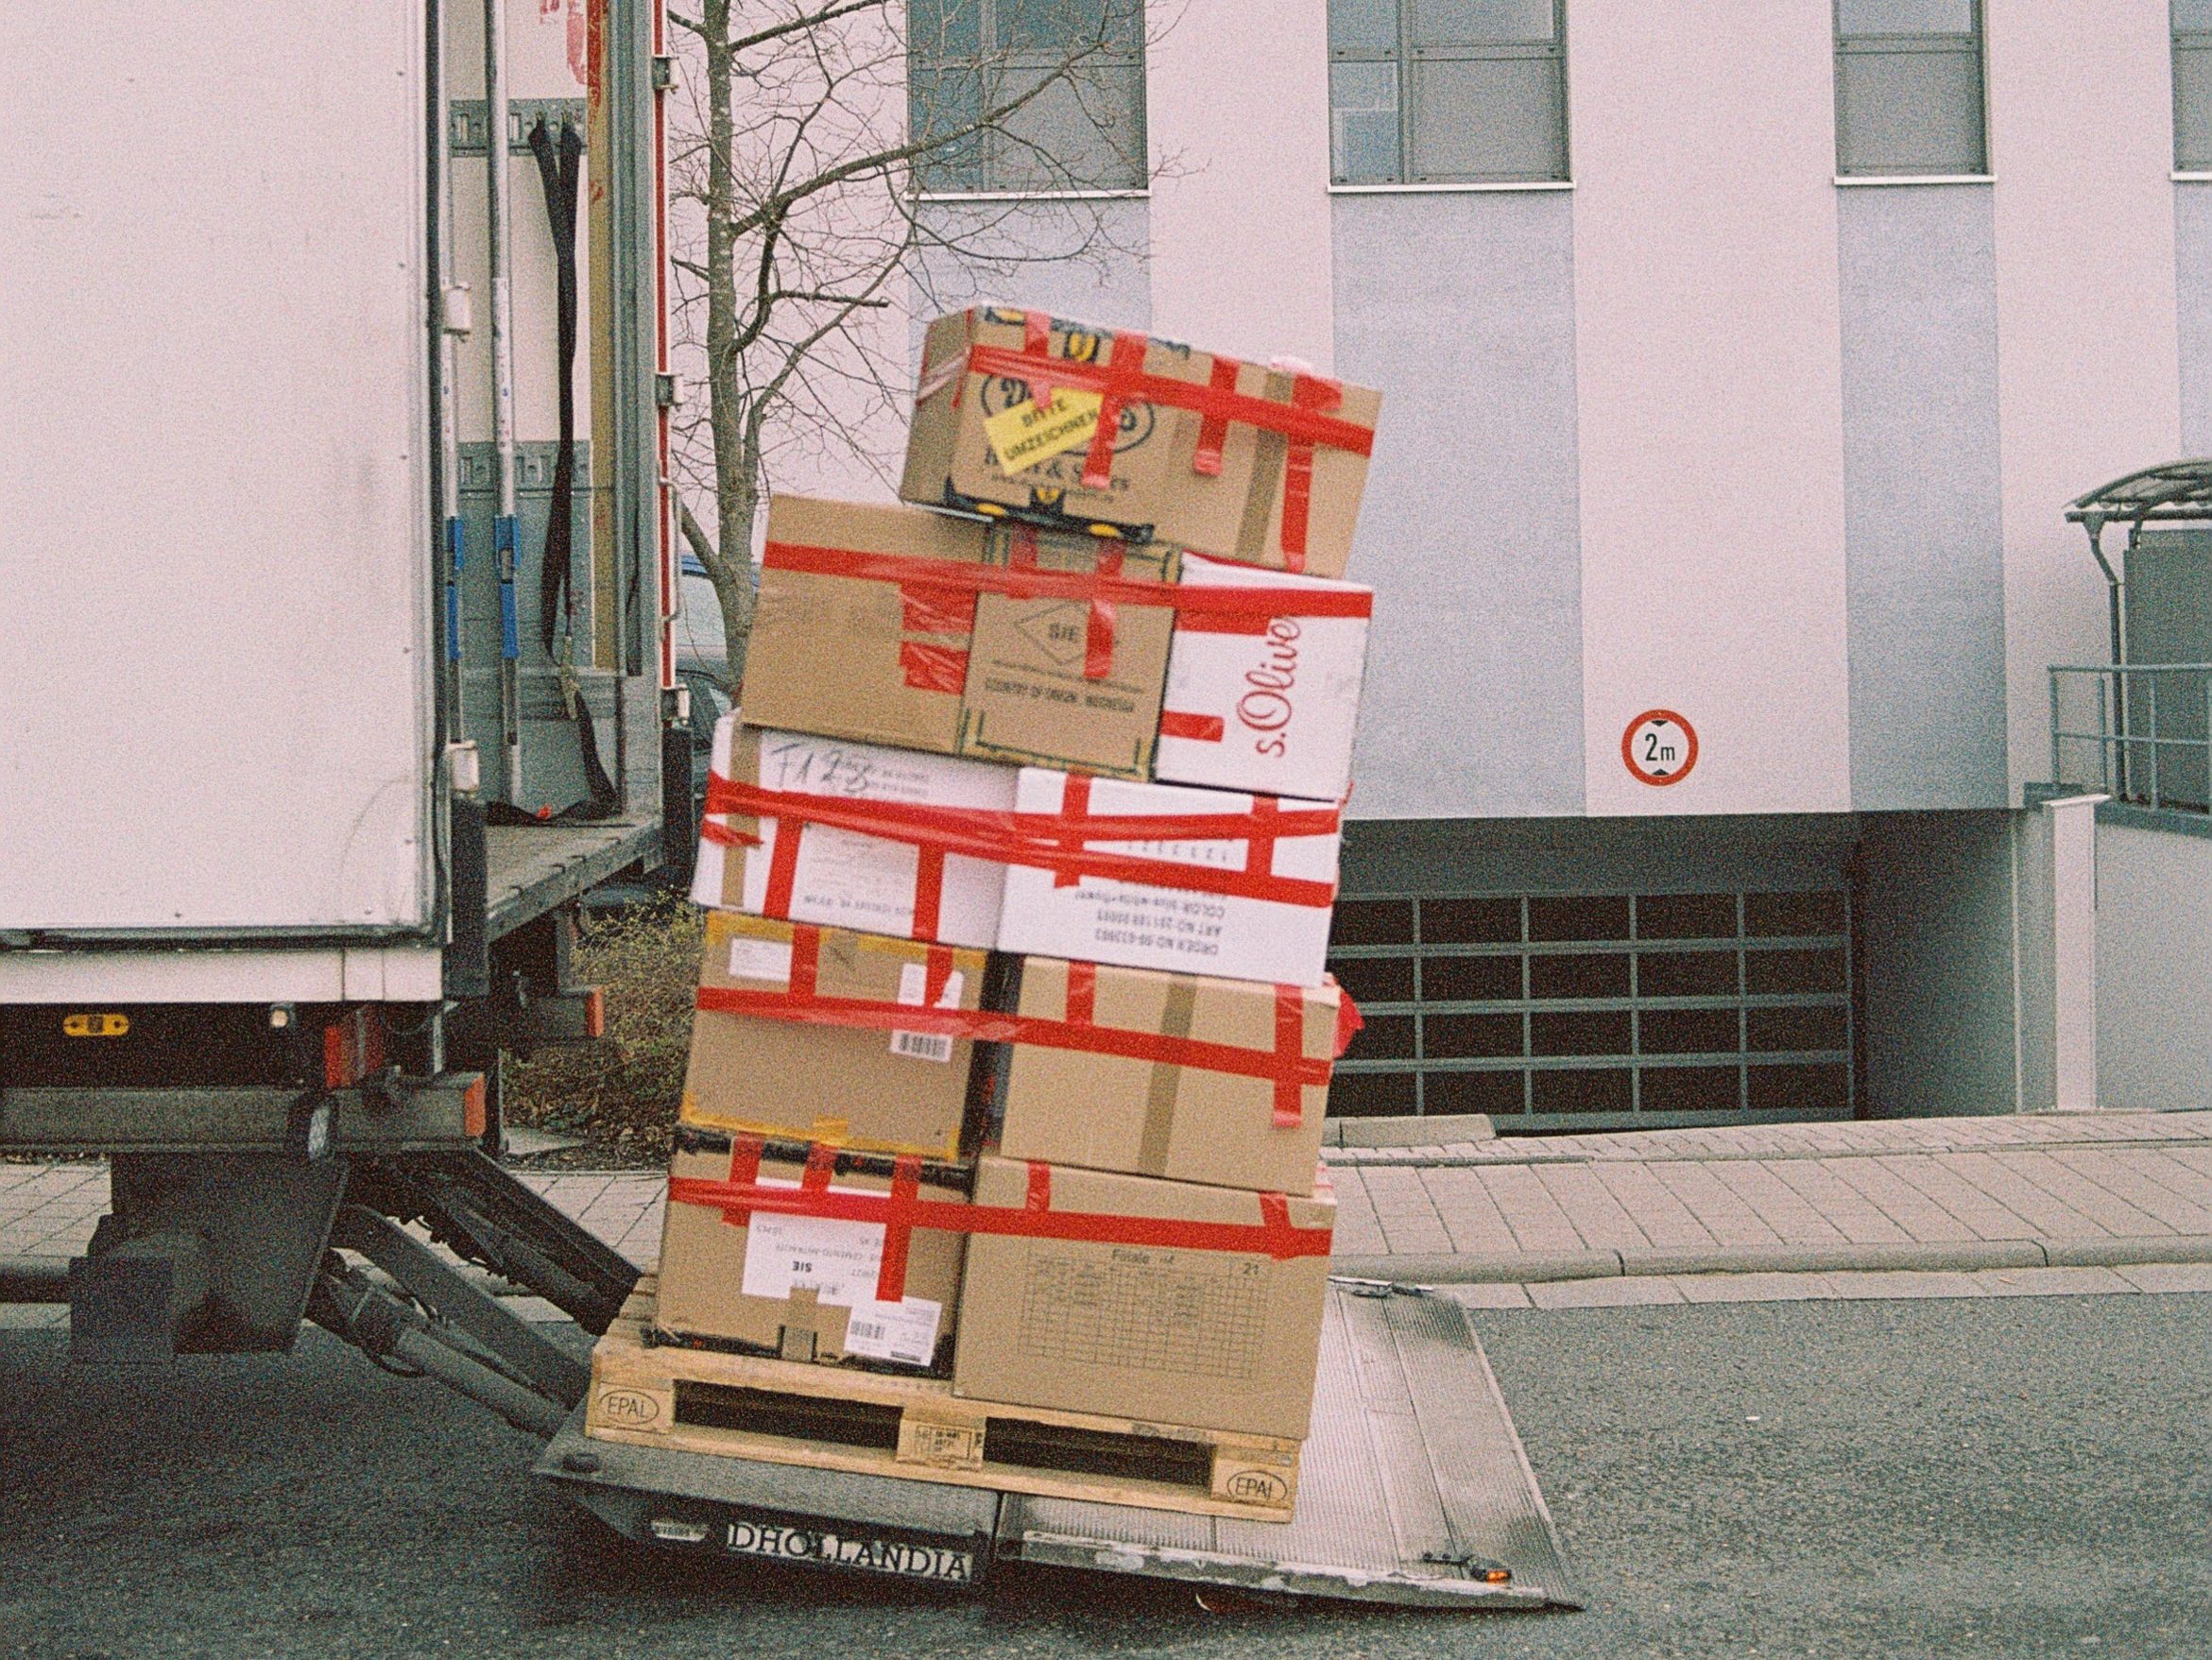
337, 575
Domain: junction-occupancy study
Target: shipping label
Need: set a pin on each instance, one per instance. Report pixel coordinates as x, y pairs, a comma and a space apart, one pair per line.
1026, 433
839, 1261
913, 988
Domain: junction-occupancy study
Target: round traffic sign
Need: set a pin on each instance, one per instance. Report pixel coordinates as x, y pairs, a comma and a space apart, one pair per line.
1659, 747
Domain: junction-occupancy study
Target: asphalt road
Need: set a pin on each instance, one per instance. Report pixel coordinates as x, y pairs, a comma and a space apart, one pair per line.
2012, 1479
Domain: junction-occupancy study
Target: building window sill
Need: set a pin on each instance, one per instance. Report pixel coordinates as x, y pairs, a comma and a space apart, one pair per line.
1888, 181
1465, 188
1031, 196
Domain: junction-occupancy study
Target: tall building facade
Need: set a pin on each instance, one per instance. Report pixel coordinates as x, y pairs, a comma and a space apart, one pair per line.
1740, 358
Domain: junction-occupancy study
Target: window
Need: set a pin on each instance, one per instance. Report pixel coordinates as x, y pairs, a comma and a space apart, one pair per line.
1908, 87
2192, 85
1596, 1011
1083, 131
1425, 91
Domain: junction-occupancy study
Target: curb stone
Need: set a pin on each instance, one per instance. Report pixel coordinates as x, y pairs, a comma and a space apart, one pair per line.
1541, 1266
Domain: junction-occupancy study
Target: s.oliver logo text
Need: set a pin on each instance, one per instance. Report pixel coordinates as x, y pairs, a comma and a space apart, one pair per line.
1265, 707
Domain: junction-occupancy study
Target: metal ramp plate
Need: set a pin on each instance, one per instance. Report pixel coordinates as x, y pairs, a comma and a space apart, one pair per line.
1412, 1487
833, 1519
1413, 1484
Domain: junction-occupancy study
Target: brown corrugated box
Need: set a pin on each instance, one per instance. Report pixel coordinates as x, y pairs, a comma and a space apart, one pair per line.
885, 1091
1235, 514
947, 670
1213, 1340
813, 1280
1165, 1118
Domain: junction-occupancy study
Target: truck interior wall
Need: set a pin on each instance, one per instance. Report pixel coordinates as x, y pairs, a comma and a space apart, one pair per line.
2153, 968
1936, 931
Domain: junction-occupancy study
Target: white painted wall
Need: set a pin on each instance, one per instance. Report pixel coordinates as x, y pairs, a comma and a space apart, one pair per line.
1709, 369
2080, 129
1239, 127
2154, 968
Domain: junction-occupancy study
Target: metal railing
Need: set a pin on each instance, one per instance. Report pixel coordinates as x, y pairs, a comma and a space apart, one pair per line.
2145, 731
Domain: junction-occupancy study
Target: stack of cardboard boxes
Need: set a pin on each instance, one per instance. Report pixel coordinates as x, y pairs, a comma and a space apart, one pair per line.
1014, 1038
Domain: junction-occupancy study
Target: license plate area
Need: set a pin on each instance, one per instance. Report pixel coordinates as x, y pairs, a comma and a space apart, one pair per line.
857, 1550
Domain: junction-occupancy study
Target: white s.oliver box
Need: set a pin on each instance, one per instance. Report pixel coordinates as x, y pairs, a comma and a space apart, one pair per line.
841, 878
1271, 712
1237, 936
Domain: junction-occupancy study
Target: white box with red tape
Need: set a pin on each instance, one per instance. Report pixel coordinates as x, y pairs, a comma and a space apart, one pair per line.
1264, 702
929, 846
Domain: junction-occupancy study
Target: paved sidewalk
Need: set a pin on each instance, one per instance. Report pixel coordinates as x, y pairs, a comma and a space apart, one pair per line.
1928, 1195
1894, 1207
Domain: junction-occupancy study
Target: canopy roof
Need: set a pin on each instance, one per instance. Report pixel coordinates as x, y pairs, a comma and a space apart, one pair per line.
2177, 491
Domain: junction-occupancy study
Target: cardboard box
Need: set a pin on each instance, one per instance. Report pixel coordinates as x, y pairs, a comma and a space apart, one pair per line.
1032, 693
1211, 1338
1256, 934
804, 1286
936, 666
1269, 709
884, 1090
976, 404
900, 655
1172, 1115
840, 878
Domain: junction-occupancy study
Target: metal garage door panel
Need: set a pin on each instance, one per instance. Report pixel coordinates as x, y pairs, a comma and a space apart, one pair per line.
215, 640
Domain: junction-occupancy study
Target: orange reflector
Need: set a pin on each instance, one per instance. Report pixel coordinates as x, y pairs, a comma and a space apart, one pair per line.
595, 1013
1496, 1576
473, 1114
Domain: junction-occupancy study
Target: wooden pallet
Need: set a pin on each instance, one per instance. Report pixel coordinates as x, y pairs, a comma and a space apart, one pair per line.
881, 1424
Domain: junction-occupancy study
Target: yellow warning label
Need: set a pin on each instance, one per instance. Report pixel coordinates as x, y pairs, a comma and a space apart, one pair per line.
1025, 435
96, 1025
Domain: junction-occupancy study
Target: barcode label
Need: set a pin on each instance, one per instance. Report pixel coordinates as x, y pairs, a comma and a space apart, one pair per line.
913, 989
921, 1046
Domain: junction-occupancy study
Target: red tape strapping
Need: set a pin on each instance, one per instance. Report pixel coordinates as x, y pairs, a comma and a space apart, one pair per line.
902, 1211
1227, 609
1057, 842
1098, 640
1286, 1067
1306, 421
1214, 402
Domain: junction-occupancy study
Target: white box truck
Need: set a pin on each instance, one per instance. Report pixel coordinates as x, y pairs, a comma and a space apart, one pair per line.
335, 662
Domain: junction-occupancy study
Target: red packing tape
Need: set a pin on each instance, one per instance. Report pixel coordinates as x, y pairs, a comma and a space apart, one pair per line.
903, 1210
1098, 641
1305, 421
1057, 842
1287, 1066
1222, 609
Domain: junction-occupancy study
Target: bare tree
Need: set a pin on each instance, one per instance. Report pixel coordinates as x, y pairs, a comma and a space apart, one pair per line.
824, 220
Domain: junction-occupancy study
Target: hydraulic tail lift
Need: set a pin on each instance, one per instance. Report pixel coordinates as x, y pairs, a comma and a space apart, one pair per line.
1413, 1491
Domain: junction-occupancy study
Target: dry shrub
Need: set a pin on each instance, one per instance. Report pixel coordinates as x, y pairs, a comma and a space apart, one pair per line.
621, 1093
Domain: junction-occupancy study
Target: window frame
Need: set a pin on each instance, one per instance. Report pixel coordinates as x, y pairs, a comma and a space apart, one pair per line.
988, 63
1872, 45
2178, 40
1404, 54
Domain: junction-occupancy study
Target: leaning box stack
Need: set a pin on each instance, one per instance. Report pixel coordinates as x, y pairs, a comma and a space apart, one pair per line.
998, 1155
